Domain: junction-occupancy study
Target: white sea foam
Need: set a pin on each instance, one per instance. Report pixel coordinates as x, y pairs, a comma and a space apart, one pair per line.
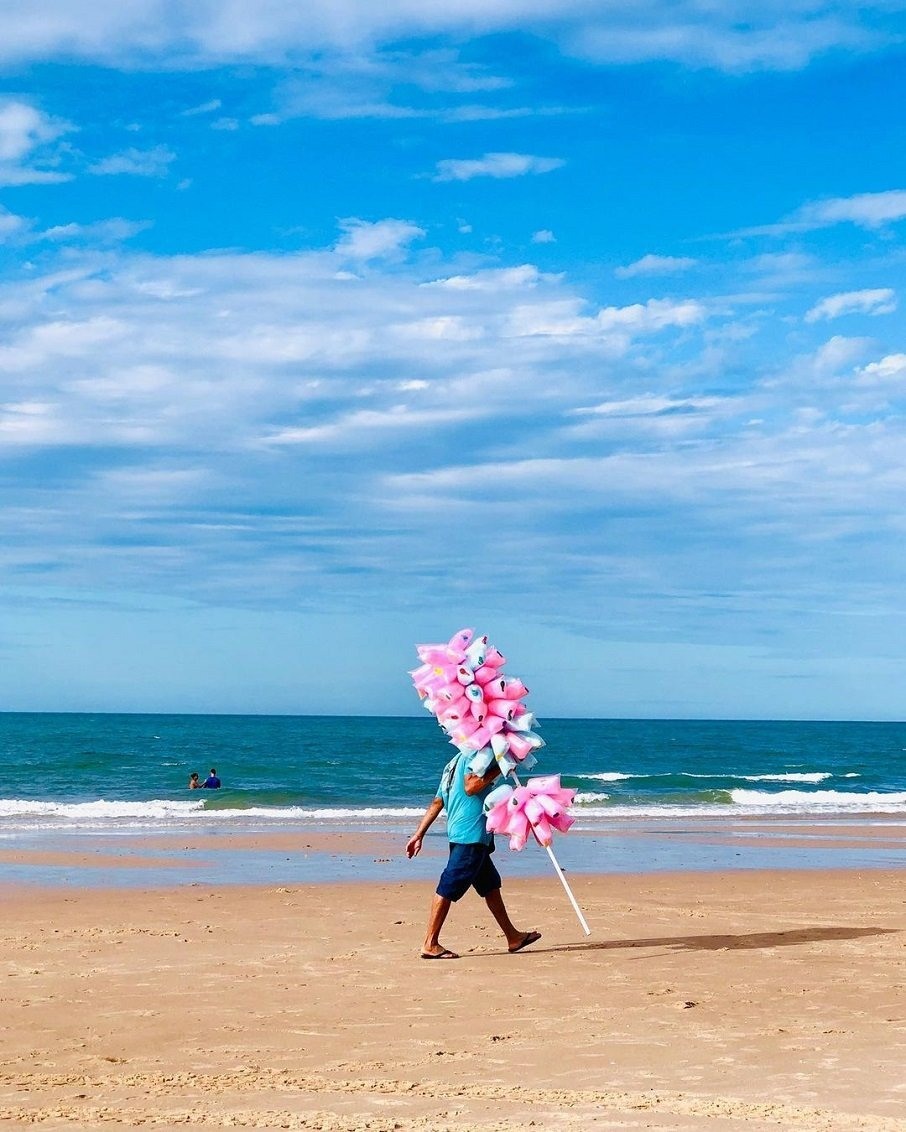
583, 798
611, 776
157, 808
25, 814
820, 801
818, 776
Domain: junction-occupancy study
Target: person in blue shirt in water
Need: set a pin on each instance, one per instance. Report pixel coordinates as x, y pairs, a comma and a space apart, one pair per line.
461, 793
212, 782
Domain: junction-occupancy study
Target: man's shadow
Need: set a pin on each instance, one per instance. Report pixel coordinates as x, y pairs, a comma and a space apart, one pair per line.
725, 942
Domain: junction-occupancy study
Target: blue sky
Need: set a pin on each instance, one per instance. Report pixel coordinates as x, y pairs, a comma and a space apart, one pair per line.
327, 330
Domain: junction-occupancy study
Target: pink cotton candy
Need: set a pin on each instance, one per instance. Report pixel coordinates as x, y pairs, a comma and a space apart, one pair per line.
538, 807
514, 690
463, 685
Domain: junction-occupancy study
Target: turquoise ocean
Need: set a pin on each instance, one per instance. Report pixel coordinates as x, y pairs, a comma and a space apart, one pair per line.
82, 775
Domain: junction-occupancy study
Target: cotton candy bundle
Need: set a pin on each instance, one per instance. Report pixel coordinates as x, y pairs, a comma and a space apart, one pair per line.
463, 685
539, 807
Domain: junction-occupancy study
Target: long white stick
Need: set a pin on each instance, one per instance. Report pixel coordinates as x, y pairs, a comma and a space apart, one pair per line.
559, 871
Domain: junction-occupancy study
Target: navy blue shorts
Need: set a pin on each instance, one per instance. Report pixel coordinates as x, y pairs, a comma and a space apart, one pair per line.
469, 866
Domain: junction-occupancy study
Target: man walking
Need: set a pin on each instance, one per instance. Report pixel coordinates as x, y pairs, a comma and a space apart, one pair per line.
461, 793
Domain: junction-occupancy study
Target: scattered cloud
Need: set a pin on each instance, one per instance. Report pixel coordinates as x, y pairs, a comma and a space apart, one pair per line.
492, 279
10, 224
881, 300
654, 315
655, 265
103, 231
865, 210
27, 156
729, 37
495, 165
366, 240
889, 370
868, 210
544, 236
133, 162
647, 405
838, 354
204, 108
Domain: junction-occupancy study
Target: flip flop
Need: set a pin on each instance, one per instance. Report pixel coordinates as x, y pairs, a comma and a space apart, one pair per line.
531, 937
445, 954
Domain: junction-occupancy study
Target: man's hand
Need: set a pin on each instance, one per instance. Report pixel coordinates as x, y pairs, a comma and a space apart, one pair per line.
413, 846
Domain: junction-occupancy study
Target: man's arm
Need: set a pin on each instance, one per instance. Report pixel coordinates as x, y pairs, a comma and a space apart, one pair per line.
474, 783
414, 844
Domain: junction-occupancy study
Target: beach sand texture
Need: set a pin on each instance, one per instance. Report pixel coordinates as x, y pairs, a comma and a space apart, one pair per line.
702, 1001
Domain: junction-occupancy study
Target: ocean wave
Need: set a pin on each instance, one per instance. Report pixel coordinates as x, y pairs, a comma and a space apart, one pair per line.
155, 808
805, 801
584, 799
165, 814
671, 775
609, 776
817, 776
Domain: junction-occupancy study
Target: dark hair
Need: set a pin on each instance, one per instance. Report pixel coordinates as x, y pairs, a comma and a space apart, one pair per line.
213, 770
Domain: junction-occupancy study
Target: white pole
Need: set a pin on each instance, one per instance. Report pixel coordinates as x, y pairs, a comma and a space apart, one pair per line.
559, 871
569, 891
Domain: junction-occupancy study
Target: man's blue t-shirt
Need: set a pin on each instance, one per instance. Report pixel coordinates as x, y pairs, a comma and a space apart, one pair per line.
212, 782
465, 817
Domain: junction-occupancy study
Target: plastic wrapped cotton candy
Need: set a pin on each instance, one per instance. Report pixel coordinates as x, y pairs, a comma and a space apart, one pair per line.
539, 806
463, 685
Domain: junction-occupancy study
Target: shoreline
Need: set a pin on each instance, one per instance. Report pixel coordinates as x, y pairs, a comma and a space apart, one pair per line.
727, 1001
236, 856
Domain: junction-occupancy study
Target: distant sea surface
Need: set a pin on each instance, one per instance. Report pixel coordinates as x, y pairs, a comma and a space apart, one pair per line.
122, 773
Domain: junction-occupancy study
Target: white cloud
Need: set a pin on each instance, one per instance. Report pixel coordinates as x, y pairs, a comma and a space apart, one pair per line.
337, 85
647, 405
654, 315
865, 210
103, 231
496, 165
366, 240
655, 265
23, 128
355, 428
881, 300
153, 162
837, 354
10, 224
730, 36
492, 279
613, 327
204, 108
25, 136
890, 369
544, 236
868, 210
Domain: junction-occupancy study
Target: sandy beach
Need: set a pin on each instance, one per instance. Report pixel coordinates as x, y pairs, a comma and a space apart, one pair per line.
724, 1001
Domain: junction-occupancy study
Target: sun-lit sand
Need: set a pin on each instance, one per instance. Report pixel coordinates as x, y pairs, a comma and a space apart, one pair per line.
701, 1001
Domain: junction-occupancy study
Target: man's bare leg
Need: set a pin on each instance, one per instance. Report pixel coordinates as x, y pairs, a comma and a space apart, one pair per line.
515, 939
440, 906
